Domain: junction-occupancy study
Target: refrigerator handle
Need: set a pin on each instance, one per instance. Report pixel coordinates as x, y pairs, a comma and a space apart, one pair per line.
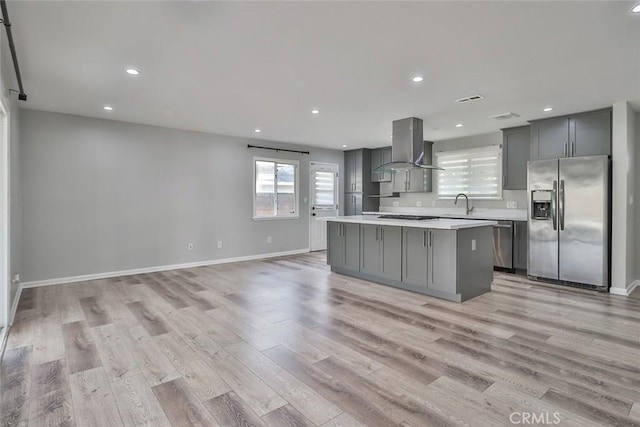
561, 204
554, 198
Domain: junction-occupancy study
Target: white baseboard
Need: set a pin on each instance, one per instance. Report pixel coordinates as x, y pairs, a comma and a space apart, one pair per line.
14, 305
626, 291
87, 277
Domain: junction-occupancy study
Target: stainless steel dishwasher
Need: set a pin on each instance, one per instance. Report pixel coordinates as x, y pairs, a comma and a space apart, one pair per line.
503, 244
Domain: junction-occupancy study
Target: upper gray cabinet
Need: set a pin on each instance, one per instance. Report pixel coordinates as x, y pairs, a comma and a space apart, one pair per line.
415, 180
549, 139
353, 171
516, 149
379, 157
585, 134
412, 181
590, 134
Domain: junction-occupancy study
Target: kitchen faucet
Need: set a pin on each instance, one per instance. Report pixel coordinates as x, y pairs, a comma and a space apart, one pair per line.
465, 196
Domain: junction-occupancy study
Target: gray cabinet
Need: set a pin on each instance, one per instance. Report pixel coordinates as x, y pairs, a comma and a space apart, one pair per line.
520, 238
343, 245
414, 256
381, 251
590, 134
379, 157
516, 151
415, 180
411, 181
353, 204
585, 134
357, 183
369, 249
441, 264
353, 171
549, 139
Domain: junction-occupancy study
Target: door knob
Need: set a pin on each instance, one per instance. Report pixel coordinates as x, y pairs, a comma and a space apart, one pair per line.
313, 214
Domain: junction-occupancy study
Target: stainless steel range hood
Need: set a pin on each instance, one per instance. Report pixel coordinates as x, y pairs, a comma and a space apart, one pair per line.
407, 147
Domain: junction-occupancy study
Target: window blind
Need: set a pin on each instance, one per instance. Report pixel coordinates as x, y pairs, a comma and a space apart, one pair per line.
475, 172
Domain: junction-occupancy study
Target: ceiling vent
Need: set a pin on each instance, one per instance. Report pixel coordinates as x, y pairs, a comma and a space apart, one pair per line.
469, 99
505, 116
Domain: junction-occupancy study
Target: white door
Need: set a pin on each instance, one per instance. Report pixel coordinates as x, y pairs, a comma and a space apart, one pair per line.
323, 197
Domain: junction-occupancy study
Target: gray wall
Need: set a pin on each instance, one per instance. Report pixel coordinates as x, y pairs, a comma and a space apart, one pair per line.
102, 196
427, 199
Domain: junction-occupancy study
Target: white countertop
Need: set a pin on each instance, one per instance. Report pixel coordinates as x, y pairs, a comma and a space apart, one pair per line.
440, 223
477, 214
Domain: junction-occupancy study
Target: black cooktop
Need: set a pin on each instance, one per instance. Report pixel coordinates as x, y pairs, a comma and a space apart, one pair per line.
411, 217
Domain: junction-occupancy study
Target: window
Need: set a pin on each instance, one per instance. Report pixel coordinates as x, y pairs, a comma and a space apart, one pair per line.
275, 188
324, 191
475, 172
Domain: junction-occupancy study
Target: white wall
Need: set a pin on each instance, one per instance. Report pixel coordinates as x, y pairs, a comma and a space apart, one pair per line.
623, 259
637, 196
7, 81
427, 199
102, 196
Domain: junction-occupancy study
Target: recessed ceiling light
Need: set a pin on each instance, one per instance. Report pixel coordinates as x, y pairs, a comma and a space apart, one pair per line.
257, 130
344, 145
417, 79
547, 109
133, 71
459, 125
636, 9
315, 111
108, 108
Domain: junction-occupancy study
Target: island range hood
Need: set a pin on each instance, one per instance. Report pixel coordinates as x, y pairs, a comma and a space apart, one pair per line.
407, 147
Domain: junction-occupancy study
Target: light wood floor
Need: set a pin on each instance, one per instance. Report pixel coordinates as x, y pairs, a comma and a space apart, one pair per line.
284, 342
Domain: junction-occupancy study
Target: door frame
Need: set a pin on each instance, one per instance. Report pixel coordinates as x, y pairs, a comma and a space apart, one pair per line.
5, 233
337, 190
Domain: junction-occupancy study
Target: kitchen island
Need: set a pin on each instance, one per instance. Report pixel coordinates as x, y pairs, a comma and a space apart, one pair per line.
445, 258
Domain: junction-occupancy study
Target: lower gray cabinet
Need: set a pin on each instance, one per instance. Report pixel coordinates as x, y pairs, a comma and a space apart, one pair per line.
343, 245
415, 252
520, 239
381, 251
353, 204
369, 249
442, 265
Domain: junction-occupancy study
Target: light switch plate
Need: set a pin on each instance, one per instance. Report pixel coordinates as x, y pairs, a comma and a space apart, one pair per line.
512, 205
473, 244
419, 203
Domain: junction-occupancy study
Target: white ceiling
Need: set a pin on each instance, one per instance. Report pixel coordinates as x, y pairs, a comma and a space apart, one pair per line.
230, 67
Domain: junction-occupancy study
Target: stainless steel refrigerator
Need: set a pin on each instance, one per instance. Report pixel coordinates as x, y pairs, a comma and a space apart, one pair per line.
569, 228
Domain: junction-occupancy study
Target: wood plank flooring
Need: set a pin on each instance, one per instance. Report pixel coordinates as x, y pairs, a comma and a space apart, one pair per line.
285, 342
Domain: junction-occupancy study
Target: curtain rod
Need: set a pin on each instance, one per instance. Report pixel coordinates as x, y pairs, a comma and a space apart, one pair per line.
277, 149
7, 25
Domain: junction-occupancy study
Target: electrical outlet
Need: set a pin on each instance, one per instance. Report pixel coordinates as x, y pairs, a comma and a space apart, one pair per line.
512, 205
219, 244
269, 239
433, 204
473, 244
16, 278
190, 247
419, 204
396, 203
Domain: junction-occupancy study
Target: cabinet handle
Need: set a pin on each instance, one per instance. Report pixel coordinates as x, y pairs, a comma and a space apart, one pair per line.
377, 233
381, 234
573, 148
430, 239
565, 149
424, 239
504, 181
